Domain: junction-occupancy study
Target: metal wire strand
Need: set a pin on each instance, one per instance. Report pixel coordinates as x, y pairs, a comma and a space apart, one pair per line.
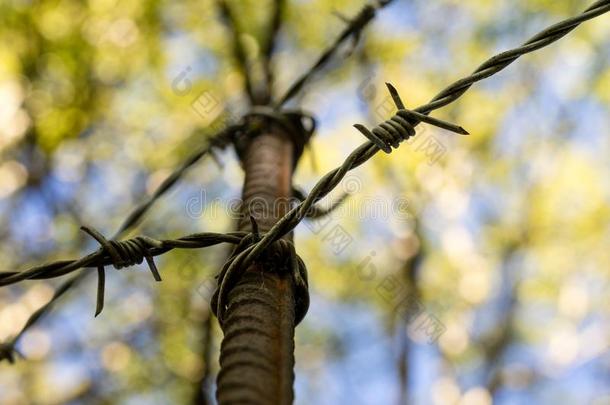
218, 141
283, 255
353, 30
396, 129
317, 212
119, 254
386, 135
123, 254
390, 133
239, 52
102, 257
367, 150
502, 60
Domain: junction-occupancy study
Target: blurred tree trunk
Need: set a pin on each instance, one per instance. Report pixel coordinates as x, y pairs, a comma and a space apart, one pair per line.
496, 344
410, 272
257, 352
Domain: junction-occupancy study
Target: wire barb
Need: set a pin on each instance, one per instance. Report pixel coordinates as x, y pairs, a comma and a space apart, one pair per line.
101, 289
352, 30
123, 254
390, 133
131, 251
366, 151
254, 225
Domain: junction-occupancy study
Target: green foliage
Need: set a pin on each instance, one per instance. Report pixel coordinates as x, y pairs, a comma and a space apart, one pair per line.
88, 101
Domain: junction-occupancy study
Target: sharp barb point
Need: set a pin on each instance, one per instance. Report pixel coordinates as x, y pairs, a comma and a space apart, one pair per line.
101, 287
254, 226
395, 96
153, 269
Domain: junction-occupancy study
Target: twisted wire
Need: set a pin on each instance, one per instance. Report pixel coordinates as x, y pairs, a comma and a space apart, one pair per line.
317, 212
123, 250
123, 254
239, 52
498, 62
282, 254
383, 137
102, 257
119, 254
353, 30
218, 141
391, 135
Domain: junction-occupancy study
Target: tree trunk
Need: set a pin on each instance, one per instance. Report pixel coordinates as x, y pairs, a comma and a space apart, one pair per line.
257, 352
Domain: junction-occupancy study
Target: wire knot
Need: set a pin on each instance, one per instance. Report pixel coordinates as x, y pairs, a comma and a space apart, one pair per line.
282, 254
390, 133
296, 123
122, 254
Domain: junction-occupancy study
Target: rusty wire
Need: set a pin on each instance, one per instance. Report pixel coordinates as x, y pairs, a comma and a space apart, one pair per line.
383, 137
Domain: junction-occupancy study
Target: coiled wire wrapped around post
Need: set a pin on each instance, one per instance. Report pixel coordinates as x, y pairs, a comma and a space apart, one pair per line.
298, 124
384, 136
283, 255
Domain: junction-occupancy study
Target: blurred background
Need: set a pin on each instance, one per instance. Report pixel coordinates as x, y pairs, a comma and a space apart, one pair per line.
462, 270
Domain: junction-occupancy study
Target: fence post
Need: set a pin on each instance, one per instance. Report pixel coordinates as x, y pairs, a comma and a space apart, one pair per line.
257, 351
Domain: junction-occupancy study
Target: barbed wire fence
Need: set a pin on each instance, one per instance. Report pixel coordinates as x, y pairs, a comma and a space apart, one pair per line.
250, 246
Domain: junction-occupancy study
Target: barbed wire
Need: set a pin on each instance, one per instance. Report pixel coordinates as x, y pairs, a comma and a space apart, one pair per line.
291, 119
353, 30
385, 136
219, 141
239, 52
269, 45
119, 254
390, 135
